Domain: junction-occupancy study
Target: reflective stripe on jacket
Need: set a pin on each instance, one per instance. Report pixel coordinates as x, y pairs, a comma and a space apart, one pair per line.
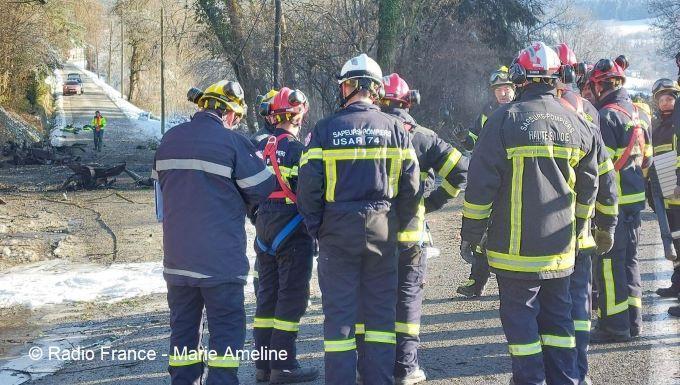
210, 179
435, 158
357, 155
532, 181
616, 130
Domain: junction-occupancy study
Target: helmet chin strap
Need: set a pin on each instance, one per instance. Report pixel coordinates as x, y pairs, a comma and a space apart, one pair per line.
361, 85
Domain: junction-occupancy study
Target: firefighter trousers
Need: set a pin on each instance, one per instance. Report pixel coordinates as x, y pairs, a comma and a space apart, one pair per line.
536, 319
580, 287
226, 317
412, 269
282, 298
673, 214
357, 271
618, 280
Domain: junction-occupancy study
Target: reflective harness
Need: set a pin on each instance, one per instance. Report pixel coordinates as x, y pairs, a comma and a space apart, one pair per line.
637, 136
285, 193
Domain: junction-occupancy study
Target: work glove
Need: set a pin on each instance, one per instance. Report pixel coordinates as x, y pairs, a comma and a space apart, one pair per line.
466, 252
604, 240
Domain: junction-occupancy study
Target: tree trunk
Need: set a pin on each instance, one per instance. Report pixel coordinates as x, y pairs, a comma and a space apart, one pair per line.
135, 69
232, 38
388, 31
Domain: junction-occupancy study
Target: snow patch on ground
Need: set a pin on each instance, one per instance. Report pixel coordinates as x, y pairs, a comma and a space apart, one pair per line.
59, 281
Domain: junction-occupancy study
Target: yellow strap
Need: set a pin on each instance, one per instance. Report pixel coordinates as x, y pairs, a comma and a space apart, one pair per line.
610, 290
381, 337
224, 362
582, 325
531, 264
558, 341
407, 328
263, 322
286, 326
339, 345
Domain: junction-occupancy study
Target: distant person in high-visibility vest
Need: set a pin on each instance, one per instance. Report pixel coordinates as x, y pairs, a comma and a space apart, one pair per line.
98, 123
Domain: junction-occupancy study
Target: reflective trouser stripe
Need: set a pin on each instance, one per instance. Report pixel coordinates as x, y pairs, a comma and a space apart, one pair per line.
224, 362
190, 359
407, 328
381, 337
612, 307
286, 326
558, 341
263, 322
634, 301
359, 329
525, 349
582, 325
631, 198
339, 345
516, 205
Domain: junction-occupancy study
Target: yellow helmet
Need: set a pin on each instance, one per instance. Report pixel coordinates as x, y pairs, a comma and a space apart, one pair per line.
224, 95
263, 102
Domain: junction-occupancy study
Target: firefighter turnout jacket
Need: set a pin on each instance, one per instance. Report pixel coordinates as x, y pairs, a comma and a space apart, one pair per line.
664, 140
533, 184
478, 125
435, 158
676, 128
210, 178
606, 205
277, 218
357, 157
617, 129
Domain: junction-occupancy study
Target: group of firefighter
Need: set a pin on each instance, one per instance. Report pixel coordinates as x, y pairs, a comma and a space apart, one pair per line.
554, 187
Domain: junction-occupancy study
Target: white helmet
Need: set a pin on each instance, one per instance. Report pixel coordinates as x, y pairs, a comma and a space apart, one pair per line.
361, 66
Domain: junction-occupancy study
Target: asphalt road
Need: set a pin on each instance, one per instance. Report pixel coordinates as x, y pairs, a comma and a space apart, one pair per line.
463, 342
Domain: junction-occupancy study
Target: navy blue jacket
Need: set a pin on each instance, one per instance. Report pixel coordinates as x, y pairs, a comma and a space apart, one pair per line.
210, 178
355, 156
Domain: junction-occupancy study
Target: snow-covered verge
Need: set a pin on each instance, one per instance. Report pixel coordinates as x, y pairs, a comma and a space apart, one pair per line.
54, 282
58, 137
14, 128
638, 85
150, 128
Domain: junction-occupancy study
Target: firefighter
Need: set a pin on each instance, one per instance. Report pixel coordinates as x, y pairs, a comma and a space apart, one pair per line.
98, 124
624, 130
504, 92
665, 93
284, 247
210, 179
356, 190
263, 102
531, 188
435, 157
604, 220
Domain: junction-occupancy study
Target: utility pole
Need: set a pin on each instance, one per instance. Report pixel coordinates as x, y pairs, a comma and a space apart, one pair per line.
277, 43
108, 72
122, 48
162, 76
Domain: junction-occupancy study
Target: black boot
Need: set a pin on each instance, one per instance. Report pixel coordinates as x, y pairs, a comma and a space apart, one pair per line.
600, 335
293, 376
668, 292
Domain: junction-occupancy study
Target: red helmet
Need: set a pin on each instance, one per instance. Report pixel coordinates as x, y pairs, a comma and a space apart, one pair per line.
567, 56
606, 69
538, 61
288, 103
397, 90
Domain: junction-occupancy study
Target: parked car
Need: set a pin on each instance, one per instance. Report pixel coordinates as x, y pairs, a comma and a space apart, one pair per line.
74, 76
72, 87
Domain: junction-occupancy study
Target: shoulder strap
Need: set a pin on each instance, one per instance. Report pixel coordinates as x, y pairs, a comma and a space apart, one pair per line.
636, 137
270, 152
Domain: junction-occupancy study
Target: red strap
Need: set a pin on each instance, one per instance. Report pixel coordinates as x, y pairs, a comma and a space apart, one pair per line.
270, 152
636, 137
